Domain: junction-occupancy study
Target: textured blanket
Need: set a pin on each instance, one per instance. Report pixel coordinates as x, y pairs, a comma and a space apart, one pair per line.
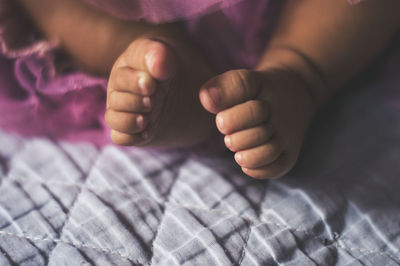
74, 204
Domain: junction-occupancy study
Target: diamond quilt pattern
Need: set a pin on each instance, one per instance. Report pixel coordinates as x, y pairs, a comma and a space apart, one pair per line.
75, 204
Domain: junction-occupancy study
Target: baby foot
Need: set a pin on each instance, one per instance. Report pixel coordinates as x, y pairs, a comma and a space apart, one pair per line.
263, 115
152, 97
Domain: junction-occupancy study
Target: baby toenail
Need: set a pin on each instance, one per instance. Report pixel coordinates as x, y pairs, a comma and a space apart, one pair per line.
150, 59
142, 84
140, 121
147, 103
228, 141
220, 122
215, 95
238, 157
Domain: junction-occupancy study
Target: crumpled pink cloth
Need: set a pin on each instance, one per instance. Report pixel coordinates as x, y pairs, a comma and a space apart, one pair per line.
38, 99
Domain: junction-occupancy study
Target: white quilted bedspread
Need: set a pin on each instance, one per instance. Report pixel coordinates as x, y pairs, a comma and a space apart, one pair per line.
73, 204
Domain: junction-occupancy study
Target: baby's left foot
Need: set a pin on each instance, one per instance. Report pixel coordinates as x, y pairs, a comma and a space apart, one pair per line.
263, 115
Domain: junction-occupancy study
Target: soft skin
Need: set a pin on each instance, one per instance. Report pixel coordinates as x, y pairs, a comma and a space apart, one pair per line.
264, 113
317, 47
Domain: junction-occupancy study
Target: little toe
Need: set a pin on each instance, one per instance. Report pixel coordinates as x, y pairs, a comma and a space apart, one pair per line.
259, 156
249, 138
128, 102
229, 89
126, 79
152, 56
127, 123
242, 116
123, 139
277, 169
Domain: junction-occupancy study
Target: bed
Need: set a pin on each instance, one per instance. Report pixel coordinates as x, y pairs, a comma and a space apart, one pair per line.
67, 203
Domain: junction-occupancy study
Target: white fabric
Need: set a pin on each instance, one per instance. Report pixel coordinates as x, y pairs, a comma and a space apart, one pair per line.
73, 204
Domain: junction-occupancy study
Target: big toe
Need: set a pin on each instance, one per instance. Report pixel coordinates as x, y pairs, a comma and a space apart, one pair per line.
160, 61
152, 56
229, 89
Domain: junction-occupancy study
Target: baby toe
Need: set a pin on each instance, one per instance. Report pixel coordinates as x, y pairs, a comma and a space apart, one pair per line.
152, 56
123, 139
259, 156
277, 169
126, 79
128, 102
229, 89
242, 116
127, 123
249, 138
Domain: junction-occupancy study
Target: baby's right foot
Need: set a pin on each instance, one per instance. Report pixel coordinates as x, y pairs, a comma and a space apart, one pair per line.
152, 97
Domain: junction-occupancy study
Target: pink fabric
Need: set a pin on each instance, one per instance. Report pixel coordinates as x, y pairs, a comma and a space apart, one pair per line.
355, 2
18, 37
159, 11
35, 99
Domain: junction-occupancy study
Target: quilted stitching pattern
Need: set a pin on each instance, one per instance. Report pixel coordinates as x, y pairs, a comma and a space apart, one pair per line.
72, 204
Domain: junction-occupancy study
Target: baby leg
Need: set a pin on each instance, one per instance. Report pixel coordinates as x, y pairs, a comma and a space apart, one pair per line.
153, 86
